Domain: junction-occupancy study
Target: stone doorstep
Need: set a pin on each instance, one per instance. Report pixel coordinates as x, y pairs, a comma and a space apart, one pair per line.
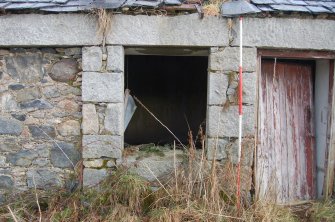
148, 165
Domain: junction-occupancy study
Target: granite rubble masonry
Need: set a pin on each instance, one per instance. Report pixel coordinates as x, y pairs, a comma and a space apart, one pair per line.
222, 109
92, 177
97, 163
3, 162
218, 85
90, 123
218, 145
115, 58
160, 165
22, 158
58, 159
249, 88
20, 117
68, 106
69, 128
25, 68
223, 122
6, 182
103, 108
9, 145
40, 116
227, 59
51, 92
28, 94
102, 87
92, 59
36, 105
8, 103
114, 119
10, 126
64, 70
99, 146
42, 131
43, 178
16, 86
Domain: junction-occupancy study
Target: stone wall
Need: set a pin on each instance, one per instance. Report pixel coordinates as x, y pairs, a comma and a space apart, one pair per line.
102, 94
222, 109
185, 30
41, 107
40, 94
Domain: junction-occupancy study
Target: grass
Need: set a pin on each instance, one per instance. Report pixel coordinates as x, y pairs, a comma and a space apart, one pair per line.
151, 149
212, 7
322, 211
202, 190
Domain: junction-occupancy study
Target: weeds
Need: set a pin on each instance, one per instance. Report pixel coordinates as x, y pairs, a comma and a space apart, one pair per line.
322, 211
200, 190
104, 19
212, 7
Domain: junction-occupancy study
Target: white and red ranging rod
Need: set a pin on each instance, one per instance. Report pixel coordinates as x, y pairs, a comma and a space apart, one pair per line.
240, 94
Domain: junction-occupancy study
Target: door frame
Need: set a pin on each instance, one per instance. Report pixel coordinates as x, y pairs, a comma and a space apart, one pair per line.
304, 55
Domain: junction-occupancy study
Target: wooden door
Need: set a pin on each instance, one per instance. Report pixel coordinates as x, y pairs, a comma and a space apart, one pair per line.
284, 160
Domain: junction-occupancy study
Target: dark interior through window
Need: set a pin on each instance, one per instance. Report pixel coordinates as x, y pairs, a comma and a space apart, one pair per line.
174, 89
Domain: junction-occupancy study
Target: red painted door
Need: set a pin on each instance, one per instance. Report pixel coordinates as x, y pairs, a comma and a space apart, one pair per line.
284, 160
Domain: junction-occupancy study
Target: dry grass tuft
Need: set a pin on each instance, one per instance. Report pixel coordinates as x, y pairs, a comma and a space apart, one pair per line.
270, 212
322, 211
104, 22
212, 7
201, 190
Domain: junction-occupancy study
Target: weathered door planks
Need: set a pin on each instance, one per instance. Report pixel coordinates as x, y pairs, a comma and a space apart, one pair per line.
285, 165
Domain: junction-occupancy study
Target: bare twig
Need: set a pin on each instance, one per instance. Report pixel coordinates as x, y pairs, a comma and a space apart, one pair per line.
174, 164
221, 215
38, 203
67, 157
201, 161
11, 212
159, 121
213, 178
157, 179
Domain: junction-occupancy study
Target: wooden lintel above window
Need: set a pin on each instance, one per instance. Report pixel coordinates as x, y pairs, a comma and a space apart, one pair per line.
296, 54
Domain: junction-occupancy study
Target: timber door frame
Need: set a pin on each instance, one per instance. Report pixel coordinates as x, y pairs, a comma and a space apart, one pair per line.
306, 55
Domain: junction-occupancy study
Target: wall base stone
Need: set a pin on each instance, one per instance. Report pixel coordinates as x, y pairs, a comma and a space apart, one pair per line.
92, 177
43, 178
103, 110
98, 146
223, 122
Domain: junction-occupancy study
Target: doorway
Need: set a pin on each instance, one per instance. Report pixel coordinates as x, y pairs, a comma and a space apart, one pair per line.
293, 126
285, 153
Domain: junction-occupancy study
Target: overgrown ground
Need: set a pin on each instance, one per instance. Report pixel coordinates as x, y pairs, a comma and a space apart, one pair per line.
196, 192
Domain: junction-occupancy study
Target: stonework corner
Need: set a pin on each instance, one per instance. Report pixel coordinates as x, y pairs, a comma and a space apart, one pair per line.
115, 58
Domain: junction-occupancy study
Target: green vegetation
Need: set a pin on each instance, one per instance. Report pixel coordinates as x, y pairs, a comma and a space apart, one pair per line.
199, 191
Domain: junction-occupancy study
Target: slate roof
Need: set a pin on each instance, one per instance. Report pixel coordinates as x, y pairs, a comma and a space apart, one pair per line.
307, 6
79, 5
304, 6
